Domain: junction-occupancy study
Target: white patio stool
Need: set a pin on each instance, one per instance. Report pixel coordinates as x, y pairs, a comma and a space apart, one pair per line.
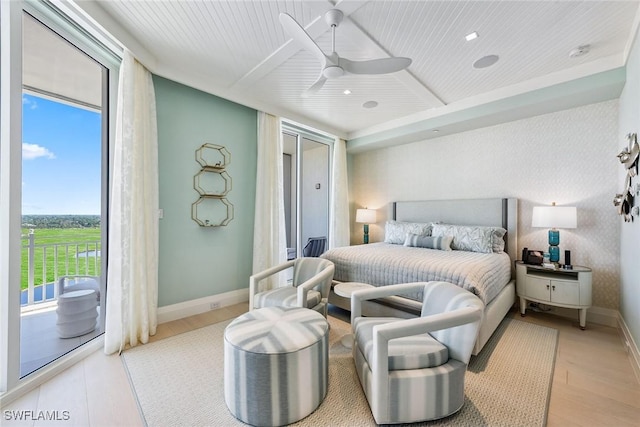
77, 313
276, 365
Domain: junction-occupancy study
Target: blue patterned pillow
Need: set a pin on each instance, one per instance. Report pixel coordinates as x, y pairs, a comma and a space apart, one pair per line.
396, 231
442, 243
472, 238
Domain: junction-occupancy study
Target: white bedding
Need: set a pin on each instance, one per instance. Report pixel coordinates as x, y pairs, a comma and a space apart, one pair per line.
382, 264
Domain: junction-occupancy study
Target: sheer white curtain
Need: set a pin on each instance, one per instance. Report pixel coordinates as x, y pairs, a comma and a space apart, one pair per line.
132, 277
269, 238
339, 233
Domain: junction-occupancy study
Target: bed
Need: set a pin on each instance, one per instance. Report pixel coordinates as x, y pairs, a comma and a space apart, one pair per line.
485, 272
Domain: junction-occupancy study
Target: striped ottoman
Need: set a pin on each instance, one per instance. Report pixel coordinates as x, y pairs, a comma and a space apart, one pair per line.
276, 365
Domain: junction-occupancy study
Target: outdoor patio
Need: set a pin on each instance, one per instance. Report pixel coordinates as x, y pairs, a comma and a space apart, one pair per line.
39, 340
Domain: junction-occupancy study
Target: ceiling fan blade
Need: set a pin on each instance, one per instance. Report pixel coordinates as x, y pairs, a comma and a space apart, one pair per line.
315, 87
375, 66
298, 33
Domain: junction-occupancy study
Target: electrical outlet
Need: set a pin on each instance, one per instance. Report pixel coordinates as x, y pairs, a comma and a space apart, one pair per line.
214, 305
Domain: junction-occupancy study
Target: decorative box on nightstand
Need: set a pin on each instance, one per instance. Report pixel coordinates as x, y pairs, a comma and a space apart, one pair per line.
559, 287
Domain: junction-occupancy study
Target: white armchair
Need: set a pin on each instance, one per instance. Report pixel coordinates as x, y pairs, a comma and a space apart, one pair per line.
413, 369
309, 288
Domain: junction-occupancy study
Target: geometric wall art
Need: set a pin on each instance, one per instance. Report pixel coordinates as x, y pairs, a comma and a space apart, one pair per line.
625, 201
213, 183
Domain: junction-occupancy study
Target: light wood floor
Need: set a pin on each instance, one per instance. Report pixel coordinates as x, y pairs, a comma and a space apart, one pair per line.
594, 383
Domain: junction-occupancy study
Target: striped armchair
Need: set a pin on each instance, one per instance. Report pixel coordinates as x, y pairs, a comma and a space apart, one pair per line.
309, 288
413, 369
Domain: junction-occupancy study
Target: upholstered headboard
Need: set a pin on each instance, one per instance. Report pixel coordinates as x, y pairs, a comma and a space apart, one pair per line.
488, 212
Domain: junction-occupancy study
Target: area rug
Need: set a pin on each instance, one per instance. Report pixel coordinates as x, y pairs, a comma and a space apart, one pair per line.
178, 381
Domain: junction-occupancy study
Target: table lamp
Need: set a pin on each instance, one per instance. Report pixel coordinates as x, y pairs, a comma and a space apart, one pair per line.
366, 217
554, 217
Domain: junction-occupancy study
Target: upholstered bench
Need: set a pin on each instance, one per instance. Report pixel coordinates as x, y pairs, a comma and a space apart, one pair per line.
77, 313
276, 365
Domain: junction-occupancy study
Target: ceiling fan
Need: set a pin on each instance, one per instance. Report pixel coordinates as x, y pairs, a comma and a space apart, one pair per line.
332, 65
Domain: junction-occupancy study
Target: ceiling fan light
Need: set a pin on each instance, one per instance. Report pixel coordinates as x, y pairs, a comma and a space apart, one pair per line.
332, 71
333, 65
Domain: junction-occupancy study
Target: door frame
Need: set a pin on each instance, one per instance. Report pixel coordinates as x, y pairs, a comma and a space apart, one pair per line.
313, 135
87, 37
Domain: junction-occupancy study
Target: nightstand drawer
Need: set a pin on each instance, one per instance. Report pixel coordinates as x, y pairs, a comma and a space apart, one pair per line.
538, 288
565, 292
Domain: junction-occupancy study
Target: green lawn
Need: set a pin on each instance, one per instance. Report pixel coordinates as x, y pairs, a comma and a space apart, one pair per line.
69, 242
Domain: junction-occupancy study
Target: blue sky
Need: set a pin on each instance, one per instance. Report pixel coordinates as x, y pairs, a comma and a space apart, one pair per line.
61, 155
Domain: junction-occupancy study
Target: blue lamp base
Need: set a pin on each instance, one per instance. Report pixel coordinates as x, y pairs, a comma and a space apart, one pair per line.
554, 241
366, 233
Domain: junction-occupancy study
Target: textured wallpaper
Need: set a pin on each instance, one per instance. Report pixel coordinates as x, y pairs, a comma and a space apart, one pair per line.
567, 157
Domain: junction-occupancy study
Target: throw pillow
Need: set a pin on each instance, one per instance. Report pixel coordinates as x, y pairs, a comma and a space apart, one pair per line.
396, 231
442, 243
467, 238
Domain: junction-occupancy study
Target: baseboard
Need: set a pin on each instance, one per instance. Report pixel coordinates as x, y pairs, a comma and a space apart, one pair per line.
49, 371
599, 315
603, 316
630, 345
201, 305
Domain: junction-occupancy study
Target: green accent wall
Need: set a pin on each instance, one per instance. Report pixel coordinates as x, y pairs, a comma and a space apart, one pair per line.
196, 261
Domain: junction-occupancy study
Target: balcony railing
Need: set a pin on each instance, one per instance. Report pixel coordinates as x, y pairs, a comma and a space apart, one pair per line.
45, 263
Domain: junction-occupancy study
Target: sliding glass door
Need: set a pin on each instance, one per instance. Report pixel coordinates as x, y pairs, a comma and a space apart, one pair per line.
306, 161
62, 170
58, 89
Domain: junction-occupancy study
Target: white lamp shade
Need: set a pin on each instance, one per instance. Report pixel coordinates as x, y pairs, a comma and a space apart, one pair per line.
554, 217
366, 216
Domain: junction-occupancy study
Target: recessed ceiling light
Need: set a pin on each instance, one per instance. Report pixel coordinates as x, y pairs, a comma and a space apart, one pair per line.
435, 130
471, 36
486, 61
580, 50
347, 92
370, 104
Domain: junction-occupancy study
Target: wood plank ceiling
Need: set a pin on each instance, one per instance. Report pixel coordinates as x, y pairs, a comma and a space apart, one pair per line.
239, 50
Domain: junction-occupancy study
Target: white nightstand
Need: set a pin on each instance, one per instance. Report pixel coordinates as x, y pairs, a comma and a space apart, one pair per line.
559, 287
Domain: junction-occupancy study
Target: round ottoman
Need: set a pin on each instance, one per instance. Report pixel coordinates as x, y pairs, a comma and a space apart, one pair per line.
276, 365
77, 313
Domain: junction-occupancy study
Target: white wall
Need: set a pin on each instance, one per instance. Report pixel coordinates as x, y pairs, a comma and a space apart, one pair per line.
630, 232
568, 157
